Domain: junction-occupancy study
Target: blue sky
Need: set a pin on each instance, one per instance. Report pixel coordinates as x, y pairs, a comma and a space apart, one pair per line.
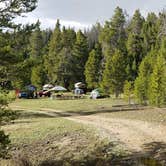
84, 13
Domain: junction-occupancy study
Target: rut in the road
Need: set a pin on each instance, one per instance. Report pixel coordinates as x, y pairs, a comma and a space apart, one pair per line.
132, 133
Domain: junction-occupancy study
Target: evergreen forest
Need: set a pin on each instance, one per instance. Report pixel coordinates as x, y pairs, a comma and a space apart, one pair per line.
124, 55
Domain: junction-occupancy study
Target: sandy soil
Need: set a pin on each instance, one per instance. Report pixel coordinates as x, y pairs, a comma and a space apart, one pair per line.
133, 134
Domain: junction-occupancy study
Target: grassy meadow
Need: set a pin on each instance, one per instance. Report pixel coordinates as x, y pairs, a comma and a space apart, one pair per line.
84, 105
43, 135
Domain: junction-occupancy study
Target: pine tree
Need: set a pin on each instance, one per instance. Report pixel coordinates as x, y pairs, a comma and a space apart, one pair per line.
136, 23
11, 9
60, 62
52, 60
21, 70
114, 74
80, 56
135, 55
158, 83
38, 76
142, 82
93, 67
93, 35
6, 58
150, 32
8, 11
134, 45
65, 69
128, 90
161, 25
113, 34
113, 38
36, 42
46, 36
68, 37
22, 77
157, 90
163, 48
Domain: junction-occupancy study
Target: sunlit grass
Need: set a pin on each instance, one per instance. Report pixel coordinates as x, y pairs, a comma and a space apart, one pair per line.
29, 130
104, 106
66, 105
153, 115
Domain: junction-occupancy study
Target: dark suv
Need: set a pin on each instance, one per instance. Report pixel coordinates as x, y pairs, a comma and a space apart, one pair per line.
27, 94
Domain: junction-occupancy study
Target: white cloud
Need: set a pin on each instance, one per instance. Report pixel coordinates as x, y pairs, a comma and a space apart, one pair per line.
75, 24
50, 23
80, 14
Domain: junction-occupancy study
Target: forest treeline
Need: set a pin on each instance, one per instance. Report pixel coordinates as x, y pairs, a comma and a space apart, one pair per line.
123, 54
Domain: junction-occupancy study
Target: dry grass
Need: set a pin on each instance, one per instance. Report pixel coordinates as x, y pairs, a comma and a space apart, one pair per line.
152, 115
44, 136
43, 139
66, 105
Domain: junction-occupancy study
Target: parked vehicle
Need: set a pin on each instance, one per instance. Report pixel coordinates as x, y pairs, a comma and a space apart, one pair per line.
78, 91
23, 94
80, 88
28, 92
44, 93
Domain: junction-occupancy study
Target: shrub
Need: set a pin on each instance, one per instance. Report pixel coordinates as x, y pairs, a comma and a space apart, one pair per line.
6, 115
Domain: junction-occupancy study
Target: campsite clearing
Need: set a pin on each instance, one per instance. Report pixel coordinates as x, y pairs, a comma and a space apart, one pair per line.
87, 130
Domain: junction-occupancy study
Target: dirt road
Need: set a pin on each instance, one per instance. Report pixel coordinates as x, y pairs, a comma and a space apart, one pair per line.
131, 133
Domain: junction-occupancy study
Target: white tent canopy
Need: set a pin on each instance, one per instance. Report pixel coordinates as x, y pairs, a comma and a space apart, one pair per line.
58, 88
79, 85
47, 86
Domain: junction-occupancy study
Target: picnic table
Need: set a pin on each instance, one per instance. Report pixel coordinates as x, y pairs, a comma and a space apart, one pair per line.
67, 97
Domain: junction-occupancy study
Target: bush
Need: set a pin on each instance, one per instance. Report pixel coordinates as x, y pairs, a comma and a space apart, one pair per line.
21, 161
4, 141
6, 115
128, 91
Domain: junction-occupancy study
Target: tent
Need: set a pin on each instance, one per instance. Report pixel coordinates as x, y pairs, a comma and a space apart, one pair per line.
79, 85
58, 88
31, 88
47, 86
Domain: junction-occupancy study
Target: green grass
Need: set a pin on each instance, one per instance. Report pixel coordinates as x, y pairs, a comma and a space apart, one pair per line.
41, 127
84, 105
36, 122
44, 139
152, 115
106, 108
35, 127
30, 130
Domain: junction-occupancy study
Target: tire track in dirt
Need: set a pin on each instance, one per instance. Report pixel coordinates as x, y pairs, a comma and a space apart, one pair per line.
132, 133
